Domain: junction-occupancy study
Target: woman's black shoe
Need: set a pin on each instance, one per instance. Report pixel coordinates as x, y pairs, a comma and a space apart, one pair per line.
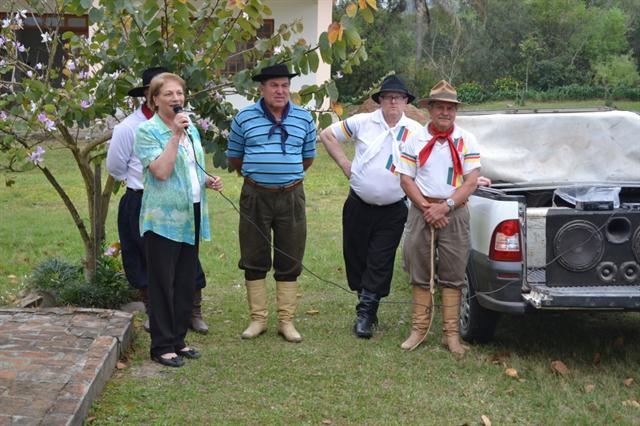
191, 353
169, 362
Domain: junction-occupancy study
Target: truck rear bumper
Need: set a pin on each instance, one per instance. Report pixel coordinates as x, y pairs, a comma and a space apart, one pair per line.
600, 297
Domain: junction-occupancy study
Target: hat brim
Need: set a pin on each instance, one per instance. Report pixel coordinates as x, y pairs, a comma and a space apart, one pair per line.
424, 103
137, 92
261, 77
376, 96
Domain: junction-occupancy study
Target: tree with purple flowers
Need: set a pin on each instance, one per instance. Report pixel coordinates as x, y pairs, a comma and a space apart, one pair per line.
74, 105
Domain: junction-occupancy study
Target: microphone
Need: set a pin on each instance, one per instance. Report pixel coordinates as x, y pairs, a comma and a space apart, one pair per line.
178, 109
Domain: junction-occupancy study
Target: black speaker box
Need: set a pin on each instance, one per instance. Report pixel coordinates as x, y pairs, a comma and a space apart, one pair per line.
587, 248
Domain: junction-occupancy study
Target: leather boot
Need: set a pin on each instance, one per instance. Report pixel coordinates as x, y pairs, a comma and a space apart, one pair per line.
197, 323
257, 298
366, 314
144, 298
451, 321
420, 319
287, 301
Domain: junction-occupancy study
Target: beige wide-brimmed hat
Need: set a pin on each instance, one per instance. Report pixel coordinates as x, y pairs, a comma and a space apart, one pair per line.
443, 92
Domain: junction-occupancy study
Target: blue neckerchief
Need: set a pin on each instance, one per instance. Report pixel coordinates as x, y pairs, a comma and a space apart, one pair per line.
277, 123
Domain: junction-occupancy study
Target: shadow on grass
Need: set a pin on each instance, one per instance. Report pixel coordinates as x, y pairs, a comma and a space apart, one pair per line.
578, 336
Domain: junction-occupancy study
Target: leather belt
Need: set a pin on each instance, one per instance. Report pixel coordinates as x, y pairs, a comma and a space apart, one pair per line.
137, 191
284, 188
442, 200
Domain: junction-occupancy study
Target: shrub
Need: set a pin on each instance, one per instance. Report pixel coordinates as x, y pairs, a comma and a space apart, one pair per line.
57, 278
64, 283
506, 84
471, 93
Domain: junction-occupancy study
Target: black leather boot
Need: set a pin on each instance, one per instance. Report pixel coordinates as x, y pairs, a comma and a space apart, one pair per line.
366, 314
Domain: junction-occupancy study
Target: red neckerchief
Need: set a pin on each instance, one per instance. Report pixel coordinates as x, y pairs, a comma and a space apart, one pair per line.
147, 111
437, 134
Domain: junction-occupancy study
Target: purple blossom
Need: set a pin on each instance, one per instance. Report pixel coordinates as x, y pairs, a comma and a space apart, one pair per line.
20, 47
38, 66
6, 22
111, 251
36, 157
225, 133
204, 123
218, 96
277, 49
48, 123
84, 104
3, 115
339, 75
71, 65
83, 75
46, 38
3, 40
29, 73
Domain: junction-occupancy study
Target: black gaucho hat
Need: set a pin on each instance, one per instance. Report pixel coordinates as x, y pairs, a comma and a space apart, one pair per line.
392, 83
147, 76
273, 71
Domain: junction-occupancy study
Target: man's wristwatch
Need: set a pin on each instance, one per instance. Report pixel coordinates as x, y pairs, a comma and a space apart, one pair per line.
451, 204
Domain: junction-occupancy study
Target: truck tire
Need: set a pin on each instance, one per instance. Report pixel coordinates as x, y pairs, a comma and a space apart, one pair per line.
477, 324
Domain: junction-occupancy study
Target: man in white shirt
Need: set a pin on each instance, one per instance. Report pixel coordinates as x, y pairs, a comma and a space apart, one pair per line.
439, 168
124, 165
375, 211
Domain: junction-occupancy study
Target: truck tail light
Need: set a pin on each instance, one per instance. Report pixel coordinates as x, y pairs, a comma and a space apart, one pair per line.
505, 242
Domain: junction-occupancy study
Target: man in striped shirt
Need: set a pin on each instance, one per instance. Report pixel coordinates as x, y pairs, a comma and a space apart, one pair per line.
439, 169
271, 144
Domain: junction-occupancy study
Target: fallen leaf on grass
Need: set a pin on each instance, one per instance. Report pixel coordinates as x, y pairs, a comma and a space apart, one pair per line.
631, 403
596, 359
559, 367
588, 388
121, 365
327, 422
511, 372
485, 420
619, 342
12, 279
313, 312
628, 381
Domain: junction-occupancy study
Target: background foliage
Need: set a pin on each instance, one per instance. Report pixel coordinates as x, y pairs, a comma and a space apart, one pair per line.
540, 44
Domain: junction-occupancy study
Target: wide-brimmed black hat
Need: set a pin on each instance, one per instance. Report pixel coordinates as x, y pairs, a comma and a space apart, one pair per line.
147, 76
392, 83
273, 71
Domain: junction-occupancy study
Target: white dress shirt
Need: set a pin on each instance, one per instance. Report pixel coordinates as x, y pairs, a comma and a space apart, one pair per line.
122, 162
377, 148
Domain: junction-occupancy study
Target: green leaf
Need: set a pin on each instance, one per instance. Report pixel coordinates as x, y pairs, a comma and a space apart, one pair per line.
325, 48
49, 108
332, 91
86, 4
325, 120
340, 48
367, 15
353, 38
314, 61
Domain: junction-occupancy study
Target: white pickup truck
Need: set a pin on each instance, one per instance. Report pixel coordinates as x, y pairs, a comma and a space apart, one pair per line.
560, 226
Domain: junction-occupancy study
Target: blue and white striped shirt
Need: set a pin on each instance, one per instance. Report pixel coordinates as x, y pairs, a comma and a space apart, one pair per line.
262, 157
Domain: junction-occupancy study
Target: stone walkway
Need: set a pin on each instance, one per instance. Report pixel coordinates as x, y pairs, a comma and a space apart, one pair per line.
54, 362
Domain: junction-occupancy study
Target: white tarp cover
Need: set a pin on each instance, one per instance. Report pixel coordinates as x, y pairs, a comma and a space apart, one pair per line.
564, 147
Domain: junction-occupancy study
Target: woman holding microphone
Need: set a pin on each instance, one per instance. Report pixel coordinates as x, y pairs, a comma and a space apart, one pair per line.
173, 217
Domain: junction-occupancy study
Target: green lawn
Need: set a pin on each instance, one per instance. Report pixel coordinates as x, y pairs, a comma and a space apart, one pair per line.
332, 377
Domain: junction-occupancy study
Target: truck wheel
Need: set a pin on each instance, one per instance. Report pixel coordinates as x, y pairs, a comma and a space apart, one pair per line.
477, 324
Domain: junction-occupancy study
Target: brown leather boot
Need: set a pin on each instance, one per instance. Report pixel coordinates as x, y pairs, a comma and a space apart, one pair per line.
257, 298
144, 298
451, 321
197, 323
287, 301
421, 318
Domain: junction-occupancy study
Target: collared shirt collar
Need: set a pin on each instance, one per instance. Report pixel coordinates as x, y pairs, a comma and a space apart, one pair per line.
160, 124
